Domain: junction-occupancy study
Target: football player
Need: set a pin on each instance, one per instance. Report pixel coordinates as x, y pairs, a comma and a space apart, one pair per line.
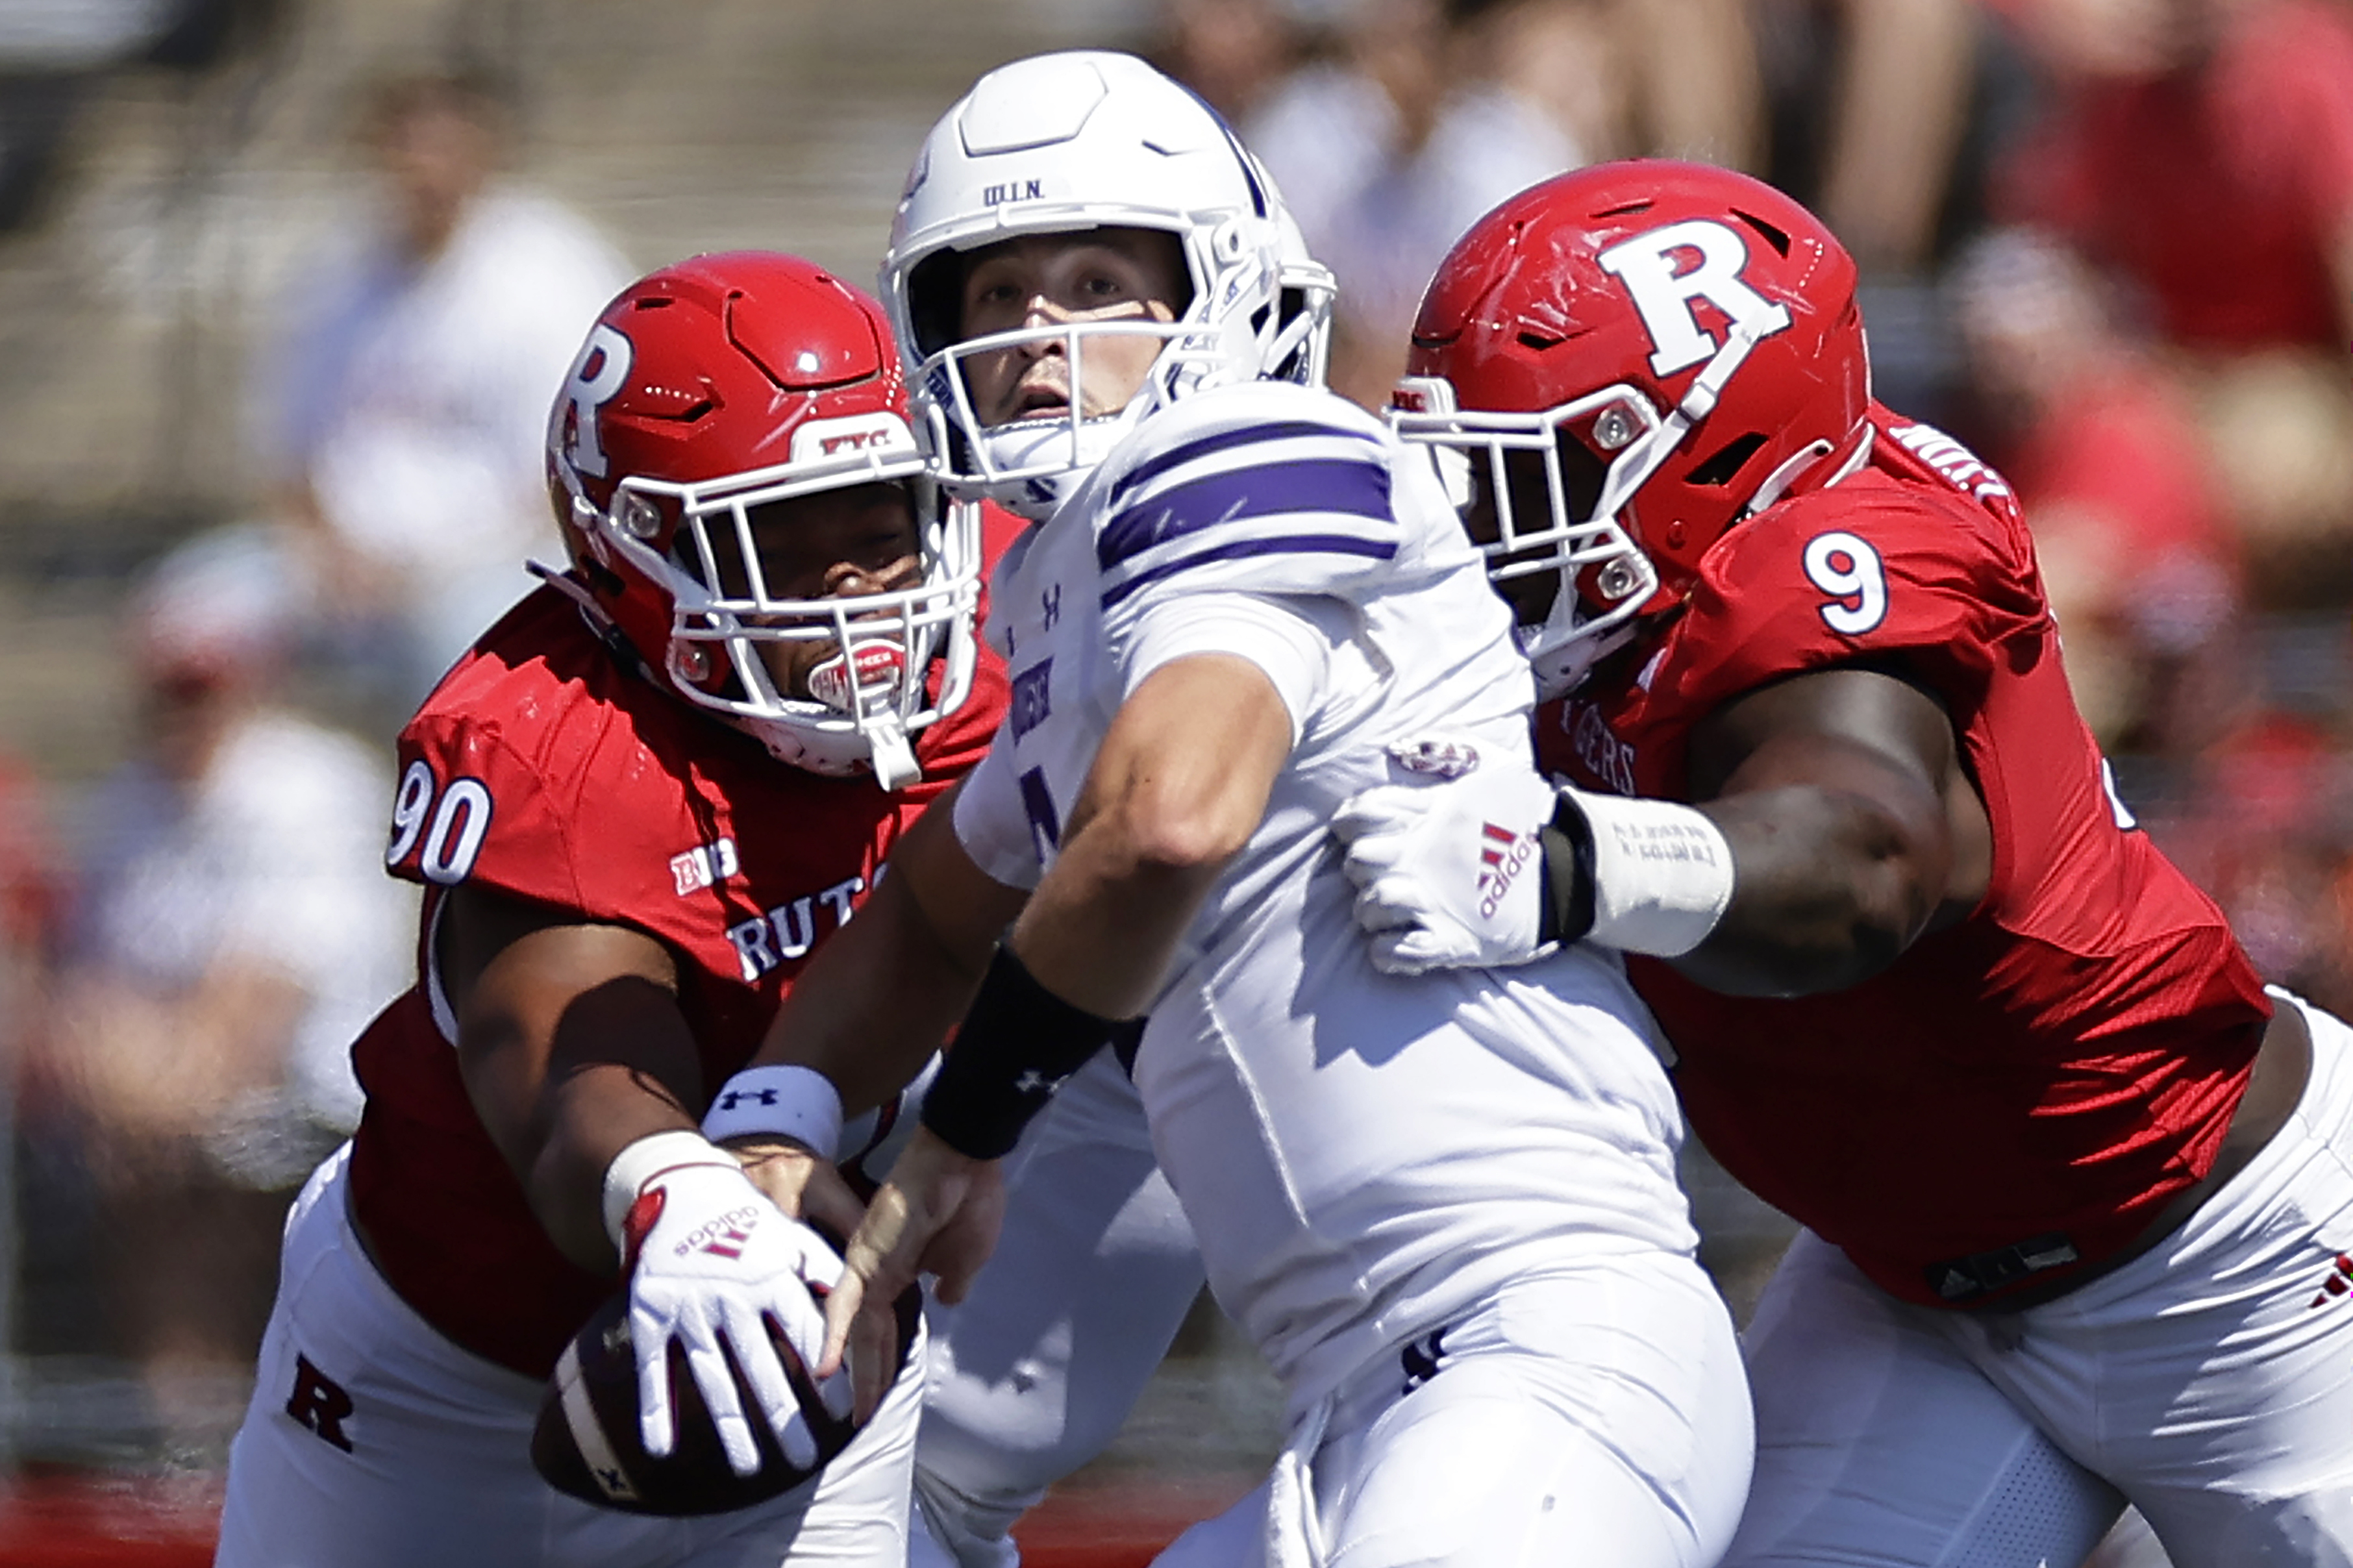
638, 806
1443, 1208
1034, 1372
2078, 1192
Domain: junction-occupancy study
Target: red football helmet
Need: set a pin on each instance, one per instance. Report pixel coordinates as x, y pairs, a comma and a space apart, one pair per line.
1675, 346
706, 391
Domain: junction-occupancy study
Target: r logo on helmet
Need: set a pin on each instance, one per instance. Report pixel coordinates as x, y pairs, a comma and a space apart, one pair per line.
1645, 265
598, 377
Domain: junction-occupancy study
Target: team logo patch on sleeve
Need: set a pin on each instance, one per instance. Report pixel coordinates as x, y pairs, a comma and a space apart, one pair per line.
1434, 758
1029, 707
1959, 466
703, 866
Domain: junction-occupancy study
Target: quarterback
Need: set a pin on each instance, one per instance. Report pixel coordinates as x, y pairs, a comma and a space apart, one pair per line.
638, 806
2077, 1187
1444, 1208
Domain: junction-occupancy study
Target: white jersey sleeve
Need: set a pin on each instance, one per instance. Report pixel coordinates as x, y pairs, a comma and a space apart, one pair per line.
1291, 641
994, 826
1264, 487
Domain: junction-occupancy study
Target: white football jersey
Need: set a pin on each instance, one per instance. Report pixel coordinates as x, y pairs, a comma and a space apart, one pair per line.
1360, 1155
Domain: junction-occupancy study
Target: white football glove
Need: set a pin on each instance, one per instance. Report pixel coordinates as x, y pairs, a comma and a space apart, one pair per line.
712, 1256
1451, 875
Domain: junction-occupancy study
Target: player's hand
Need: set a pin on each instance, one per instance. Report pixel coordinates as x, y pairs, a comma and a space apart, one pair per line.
937, 1215
798, 1182
711, 1258
1451, 875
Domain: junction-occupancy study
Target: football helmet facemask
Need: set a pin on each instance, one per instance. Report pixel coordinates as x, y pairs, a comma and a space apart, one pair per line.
1620, 364
1064, 143
712, 390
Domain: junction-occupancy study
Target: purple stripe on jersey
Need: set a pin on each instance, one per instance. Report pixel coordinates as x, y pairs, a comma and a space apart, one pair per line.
1281, 544
1208, 446
1344, 485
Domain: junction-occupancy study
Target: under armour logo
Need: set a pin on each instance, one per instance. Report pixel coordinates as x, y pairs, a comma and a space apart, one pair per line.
1050, 606
1036, 1084
735, 1099
1421, 1359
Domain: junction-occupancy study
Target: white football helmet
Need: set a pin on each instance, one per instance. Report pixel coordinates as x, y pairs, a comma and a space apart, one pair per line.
1302, 349
1066, 142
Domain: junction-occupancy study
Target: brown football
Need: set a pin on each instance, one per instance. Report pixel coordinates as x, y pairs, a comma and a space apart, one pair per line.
587, 1443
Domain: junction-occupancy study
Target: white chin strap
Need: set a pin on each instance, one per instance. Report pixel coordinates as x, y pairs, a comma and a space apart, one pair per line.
880, 747
1071, 449
1560, 668
892, 758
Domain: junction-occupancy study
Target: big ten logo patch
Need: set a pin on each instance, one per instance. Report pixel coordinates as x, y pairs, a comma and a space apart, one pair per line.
1606, 759
319, 1403
788, 931
703, 866
1029, 707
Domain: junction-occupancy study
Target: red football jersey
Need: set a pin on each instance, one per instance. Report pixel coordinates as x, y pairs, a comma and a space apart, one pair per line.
543, 768
2022, 1091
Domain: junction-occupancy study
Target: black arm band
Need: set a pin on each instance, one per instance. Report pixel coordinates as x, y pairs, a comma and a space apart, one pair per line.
1568, 913
1017, 1043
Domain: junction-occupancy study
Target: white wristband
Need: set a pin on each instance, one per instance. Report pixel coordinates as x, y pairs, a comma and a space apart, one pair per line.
1661, 874
795, 1102
655, 1154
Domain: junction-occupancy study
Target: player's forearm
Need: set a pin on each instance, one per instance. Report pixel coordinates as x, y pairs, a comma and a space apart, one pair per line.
592, 1113
1827, 889
1103, 927
1177, 788
880, 997
563, 1090
1841, 799
572, 1046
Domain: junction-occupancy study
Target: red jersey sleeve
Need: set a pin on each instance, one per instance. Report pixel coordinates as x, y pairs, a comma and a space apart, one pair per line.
473, 807
1869, 571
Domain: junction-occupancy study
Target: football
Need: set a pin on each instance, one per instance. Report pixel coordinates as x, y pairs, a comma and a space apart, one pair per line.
586, 1443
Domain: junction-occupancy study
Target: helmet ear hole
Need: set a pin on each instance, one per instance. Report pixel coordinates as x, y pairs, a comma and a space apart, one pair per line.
1582, 475
602, 579
934, 308
1727, 460
1779, 238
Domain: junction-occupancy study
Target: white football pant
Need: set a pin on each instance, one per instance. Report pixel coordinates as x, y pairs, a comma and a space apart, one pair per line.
1595, 1415
1033, 1372
373, 1442
2209, 1382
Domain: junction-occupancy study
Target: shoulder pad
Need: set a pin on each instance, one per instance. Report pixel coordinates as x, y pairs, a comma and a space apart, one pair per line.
1262, 488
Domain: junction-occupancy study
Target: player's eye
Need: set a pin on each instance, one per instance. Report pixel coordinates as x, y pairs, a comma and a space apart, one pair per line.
1106, 287
993, 296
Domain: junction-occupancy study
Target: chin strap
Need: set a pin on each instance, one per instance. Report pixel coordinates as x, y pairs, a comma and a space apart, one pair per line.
893, 758
600, 622
1777, 483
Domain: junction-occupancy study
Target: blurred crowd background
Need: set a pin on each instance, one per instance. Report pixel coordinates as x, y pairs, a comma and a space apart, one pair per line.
286, 287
